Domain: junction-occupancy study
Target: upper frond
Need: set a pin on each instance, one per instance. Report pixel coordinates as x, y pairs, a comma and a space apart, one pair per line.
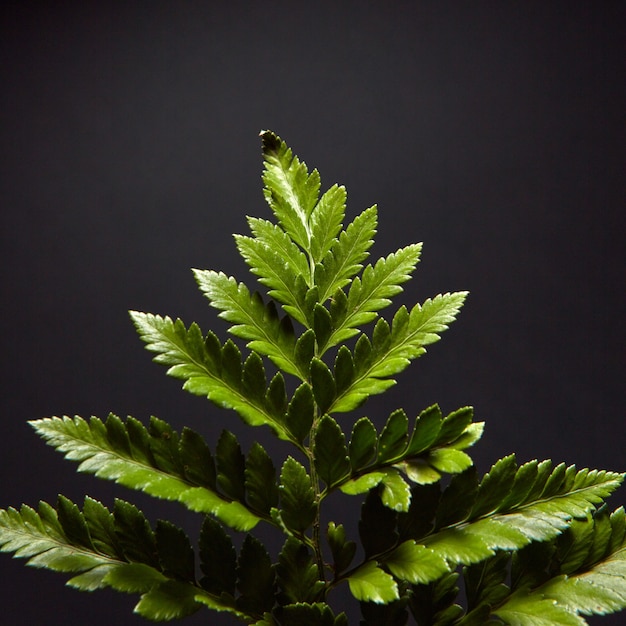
286, 286
216, 371
346, 255
373, 291
290, 190
393, 348
252, 319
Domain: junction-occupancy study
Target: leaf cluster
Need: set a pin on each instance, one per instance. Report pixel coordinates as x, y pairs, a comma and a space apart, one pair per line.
534, 543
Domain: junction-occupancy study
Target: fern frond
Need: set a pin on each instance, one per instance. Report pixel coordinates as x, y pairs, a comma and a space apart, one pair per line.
115, 549
252, 320
434, 447
585, 575
326, 221
393, 348
437, 532
554, 500
290, 190
344, 259
372, 291
286, 287
159, 462
275, 238
215, 372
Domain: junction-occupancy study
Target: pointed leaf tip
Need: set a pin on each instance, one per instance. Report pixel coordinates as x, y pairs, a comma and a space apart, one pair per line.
270, 141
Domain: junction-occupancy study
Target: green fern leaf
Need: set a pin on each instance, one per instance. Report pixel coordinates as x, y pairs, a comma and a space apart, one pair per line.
542, 519
330, 452
255, 578
434, 447
207, 368
344, 259
297, 497
432, 604
275, 238
260, 481
45, 545
363, 444
406, 340
284, 286
377, 526
290, 190
252, 320
296, 573
218, 559
88, 443
343, 551
169, 600
393, 438
304, 614
599, 590
326, 220
369, 583
42, 538
373, 291
485, 582
597, 585
175, 552
301, 412
415, 563
396, 493
391, 614
525, 609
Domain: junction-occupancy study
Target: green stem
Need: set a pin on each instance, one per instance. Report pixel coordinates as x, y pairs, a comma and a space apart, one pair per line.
316, 538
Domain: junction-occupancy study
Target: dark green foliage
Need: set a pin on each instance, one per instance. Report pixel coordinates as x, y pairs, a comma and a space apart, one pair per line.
534, 543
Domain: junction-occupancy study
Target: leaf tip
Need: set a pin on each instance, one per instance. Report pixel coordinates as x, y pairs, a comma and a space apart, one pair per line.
270, 141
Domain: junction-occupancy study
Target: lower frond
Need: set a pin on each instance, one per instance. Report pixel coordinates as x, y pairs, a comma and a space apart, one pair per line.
156, 461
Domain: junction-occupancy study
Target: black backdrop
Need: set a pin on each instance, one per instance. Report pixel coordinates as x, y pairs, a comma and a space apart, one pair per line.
491, 131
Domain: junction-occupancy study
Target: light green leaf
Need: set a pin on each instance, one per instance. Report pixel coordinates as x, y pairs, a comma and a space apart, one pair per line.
167, 601
416, 564
420, 472
252, 320
408, 335
133, 578
275, 238
85, 442
523, 609
373, 290
396, 493
449, 460
290, 190
255, 577
369, 583
362, 483
599, 589
284, 285
207, 368
347, 253
326, 220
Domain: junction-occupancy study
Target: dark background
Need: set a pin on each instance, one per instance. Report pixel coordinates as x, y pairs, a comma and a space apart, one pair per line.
492, 131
